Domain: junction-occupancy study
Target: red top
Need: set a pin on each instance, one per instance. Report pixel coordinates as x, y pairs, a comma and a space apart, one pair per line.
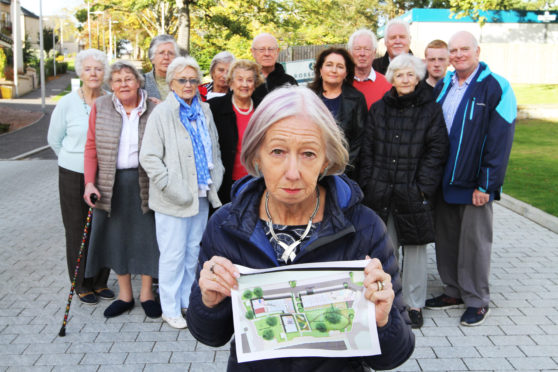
90, 154
373, 90
241, 124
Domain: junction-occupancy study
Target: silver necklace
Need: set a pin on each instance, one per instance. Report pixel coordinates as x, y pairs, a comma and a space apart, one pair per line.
85, 105
288, 252
243, 112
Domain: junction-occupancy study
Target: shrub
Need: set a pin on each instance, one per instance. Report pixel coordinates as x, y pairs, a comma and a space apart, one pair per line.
272, 322
267, 334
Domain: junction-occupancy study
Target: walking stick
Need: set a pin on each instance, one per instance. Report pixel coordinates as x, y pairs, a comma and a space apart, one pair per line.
62, 332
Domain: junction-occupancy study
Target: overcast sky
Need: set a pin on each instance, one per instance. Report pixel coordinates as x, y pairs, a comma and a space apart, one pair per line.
51, 7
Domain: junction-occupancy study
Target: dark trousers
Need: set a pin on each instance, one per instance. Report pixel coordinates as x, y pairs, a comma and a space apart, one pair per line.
74, 215
463, 250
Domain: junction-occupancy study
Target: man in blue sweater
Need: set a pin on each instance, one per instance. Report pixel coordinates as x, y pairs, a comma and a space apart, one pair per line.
479, 109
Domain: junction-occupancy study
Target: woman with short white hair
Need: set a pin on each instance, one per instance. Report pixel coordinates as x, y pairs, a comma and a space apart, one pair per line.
67, 134
404, 149
218, 70
181, 156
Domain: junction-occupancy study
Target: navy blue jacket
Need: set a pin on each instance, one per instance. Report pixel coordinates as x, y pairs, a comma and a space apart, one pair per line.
348, 231
481, 136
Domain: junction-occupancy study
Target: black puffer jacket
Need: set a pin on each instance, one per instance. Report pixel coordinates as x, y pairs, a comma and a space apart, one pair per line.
404, 150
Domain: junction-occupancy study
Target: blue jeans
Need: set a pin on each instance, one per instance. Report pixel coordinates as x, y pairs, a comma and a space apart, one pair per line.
179, 246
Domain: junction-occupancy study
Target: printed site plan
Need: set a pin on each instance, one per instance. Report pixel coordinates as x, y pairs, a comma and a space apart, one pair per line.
304, 310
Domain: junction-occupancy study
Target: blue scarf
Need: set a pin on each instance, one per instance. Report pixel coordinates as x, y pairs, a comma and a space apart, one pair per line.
201, 142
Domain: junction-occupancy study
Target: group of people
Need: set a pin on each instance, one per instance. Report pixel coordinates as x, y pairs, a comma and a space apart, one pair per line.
376, 154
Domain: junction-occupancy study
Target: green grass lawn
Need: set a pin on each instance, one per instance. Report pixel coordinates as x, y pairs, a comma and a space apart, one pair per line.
532, 174
532, 94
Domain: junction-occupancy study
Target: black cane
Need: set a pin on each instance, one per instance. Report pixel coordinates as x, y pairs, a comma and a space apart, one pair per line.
93, 198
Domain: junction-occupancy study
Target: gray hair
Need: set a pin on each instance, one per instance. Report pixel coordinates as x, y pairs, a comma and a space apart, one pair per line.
406, 61
397, 21
221, 57
287, 102
179, 64
126, 65
363, 32
95, 54
262, 35
162, 39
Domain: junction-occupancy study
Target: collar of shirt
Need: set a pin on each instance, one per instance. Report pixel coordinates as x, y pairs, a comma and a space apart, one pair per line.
455, 79
371, 76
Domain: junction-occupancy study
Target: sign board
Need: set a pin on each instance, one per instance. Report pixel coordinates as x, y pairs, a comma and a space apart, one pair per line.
302, 71
75, 84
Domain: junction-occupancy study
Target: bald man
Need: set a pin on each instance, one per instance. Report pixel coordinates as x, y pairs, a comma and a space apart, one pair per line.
265, 51
479, 109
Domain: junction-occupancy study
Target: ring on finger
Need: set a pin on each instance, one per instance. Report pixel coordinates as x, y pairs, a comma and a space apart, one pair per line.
211, 268
380, 285
214, 278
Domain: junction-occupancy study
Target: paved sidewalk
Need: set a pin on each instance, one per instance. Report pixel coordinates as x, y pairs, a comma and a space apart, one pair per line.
33, 136
521, 333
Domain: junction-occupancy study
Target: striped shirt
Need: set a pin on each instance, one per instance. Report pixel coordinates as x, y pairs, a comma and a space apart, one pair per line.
454, 97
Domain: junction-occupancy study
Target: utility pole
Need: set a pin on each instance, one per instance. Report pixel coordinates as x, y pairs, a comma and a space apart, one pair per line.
41, 52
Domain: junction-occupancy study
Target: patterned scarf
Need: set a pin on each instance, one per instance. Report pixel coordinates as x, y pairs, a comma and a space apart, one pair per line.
201, 142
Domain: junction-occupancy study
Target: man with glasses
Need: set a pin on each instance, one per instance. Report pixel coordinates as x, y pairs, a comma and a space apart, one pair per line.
362, 46
265, 51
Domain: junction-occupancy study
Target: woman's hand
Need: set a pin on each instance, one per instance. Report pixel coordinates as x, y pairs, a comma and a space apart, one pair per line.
217, 278
90, 189
378, 289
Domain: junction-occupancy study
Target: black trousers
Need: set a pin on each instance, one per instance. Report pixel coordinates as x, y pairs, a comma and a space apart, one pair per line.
74, 215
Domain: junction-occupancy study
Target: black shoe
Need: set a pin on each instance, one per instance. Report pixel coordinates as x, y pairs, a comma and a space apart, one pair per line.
152, 308
474, 316
443, 302
416, 318
104, 293
88, 298
118, 307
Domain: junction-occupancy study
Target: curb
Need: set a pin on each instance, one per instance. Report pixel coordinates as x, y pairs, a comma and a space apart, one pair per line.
27, 126
528, 211
29, 153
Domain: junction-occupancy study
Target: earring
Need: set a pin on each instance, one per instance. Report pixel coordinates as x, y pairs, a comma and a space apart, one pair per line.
257, 169
324, 173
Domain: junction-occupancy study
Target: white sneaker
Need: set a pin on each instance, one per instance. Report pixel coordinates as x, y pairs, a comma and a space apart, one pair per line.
177, 322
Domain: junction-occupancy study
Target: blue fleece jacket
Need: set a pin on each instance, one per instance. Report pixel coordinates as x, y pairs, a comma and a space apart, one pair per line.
349, 231
481, 136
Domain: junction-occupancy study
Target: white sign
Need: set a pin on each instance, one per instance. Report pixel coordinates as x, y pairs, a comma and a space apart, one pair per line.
302, 71
75, 84
315, 310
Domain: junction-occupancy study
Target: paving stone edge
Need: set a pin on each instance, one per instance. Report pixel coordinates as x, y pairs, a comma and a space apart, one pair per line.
528, 211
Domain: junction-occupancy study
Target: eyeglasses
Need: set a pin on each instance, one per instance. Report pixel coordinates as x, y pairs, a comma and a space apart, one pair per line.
263, 50
186, 81
127, 81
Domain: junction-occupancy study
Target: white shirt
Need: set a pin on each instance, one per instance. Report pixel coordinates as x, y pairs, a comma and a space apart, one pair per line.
371, 76
128, 155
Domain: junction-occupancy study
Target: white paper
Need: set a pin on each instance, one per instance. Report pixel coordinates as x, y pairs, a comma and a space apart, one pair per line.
316, 310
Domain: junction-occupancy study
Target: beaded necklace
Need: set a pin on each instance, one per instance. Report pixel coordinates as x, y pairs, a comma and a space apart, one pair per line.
243, 112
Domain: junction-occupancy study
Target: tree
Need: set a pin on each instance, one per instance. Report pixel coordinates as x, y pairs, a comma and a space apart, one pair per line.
473, 8
250, 314
268, 334
47, 39
247, 294
271, 321
321, 327
258, 292
333, 316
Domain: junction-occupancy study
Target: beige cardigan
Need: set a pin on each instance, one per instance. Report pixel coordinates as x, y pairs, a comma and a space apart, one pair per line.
168, 158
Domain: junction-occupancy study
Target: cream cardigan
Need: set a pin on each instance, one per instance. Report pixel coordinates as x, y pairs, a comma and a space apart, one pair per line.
168, 158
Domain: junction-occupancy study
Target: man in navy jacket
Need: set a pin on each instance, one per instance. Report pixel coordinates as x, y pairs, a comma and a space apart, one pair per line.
480, 110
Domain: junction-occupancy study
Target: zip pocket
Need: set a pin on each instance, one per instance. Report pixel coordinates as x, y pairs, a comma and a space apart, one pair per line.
472, 109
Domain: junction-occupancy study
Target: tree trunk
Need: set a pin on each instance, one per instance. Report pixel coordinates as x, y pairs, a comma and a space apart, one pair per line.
183, 39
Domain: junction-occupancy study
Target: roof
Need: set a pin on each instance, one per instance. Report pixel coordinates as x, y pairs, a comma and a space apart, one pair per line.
490, 16
26, 13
